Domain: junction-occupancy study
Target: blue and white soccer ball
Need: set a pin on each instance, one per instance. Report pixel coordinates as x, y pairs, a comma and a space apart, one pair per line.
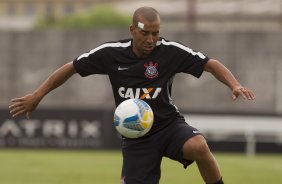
133, 118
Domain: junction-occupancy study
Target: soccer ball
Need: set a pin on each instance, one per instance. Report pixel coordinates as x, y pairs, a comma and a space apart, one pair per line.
133, 118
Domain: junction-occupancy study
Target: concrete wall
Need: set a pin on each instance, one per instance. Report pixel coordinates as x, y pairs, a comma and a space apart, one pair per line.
27, 59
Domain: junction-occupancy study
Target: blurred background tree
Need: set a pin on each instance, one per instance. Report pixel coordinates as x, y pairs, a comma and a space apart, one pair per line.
100, 16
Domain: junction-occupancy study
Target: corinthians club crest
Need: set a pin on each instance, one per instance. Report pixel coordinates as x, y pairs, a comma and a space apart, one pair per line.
151, 70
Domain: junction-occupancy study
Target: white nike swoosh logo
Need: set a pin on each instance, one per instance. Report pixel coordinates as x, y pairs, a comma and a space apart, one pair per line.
196, 131
120, 68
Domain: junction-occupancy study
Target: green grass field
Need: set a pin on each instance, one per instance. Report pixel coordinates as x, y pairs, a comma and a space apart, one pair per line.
95, 167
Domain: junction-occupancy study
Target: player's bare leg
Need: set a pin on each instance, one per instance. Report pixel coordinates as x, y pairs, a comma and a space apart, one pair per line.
197, 149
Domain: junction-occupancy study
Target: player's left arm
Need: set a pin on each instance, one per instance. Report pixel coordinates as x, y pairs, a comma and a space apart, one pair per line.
224, 75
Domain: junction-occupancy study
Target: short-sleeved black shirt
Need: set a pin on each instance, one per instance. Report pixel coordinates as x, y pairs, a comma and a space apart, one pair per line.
149, 79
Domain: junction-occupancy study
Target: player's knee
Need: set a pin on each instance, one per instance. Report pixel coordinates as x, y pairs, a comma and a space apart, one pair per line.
196, 148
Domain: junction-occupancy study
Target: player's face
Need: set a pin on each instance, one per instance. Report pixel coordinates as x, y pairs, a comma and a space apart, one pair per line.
145, 37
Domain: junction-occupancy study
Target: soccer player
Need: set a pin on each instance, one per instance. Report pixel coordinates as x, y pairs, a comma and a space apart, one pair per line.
143, 67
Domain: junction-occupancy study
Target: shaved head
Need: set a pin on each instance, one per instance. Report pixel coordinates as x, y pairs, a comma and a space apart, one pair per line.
145, 30
149, 13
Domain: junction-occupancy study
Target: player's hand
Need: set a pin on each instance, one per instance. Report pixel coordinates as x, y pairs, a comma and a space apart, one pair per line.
23, 105
244, 92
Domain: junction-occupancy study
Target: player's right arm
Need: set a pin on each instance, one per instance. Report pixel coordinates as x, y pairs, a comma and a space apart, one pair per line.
28, 103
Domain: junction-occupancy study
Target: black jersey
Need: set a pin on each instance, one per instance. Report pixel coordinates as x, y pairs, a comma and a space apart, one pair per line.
149, 79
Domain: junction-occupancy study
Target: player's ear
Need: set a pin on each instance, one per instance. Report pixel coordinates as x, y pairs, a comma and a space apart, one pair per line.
131, 28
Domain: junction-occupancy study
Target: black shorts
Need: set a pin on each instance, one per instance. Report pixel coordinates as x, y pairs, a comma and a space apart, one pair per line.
142, 157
